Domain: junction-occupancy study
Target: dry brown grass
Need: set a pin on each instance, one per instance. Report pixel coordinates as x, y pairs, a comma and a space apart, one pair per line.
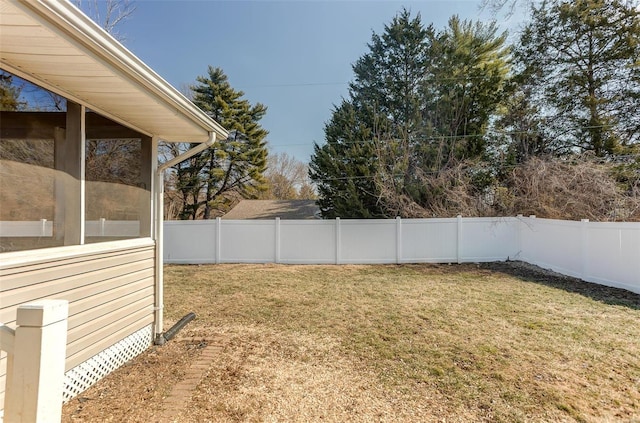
413, 343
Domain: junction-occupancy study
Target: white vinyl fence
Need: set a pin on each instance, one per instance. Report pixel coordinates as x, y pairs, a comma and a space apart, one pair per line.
340, 241
605, 253
600, 252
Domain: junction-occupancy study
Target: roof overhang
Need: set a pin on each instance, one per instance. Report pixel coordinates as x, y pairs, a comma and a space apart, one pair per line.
53, 44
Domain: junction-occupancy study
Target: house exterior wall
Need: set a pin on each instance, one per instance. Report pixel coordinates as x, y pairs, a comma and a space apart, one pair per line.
109, 286
111, 273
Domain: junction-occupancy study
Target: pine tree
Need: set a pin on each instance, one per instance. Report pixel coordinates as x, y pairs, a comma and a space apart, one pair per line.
582, 57
384, 104
388, 78
232, 168
344, 168
464, 86
420, 100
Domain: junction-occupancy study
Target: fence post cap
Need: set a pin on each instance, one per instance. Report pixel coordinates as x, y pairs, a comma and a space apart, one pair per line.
42, 313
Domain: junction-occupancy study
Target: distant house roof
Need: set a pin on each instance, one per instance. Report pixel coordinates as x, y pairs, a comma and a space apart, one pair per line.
52, 43
270, 209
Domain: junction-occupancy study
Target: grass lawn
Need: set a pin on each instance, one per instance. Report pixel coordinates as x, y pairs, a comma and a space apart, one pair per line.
497, 342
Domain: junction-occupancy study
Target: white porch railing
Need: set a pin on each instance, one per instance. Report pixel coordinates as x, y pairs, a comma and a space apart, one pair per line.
44, 228
36, 358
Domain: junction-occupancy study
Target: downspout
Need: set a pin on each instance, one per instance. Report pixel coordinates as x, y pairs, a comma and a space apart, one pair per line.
159, 220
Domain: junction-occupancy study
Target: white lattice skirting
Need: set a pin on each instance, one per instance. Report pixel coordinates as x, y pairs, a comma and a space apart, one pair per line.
81, 377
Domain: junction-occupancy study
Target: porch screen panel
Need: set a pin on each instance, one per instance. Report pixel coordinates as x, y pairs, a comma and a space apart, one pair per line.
117, 191
33, 180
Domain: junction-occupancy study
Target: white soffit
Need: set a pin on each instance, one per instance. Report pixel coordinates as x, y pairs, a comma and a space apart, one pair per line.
53, 44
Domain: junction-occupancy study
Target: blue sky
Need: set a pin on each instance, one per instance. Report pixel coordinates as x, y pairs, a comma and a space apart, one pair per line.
293, 56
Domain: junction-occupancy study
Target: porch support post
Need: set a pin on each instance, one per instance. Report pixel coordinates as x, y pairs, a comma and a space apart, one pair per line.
35, 369
147, 158
69, 160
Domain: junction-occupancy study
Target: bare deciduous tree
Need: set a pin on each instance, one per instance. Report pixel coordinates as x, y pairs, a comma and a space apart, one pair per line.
508, 7
288, 178
108, 13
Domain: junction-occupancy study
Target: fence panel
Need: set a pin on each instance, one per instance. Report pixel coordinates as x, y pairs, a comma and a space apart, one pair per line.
553, 244
190, 242
248, 241
612, 254
367, 241
41, 227
488, 239
429, 240
308, 242
103, 227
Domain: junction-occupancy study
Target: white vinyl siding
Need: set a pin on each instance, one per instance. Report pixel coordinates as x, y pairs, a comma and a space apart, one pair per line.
109, 286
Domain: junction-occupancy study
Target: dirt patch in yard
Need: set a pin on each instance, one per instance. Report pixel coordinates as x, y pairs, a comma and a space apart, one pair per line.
134, 392
412, 343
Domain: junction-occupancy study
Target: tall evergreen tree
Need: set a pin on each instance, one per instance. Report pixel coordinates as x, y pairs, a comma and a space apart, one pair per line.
384, 104
420, 99
388, 78
233, 167
464, 86
520, 129
582, 57
344, 168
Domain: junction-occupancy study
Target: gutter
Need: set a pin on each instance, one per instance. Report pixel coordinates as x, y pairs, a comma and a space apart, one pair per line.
159, 220
188, 154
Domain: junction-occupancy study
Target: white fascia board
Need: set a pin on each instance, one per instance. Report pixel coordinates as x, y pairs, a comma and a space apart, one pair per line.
83, 30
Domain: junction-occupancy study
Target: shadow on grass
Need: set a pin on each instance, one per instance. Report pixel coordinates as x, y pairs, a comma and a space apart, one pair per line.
530, 273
